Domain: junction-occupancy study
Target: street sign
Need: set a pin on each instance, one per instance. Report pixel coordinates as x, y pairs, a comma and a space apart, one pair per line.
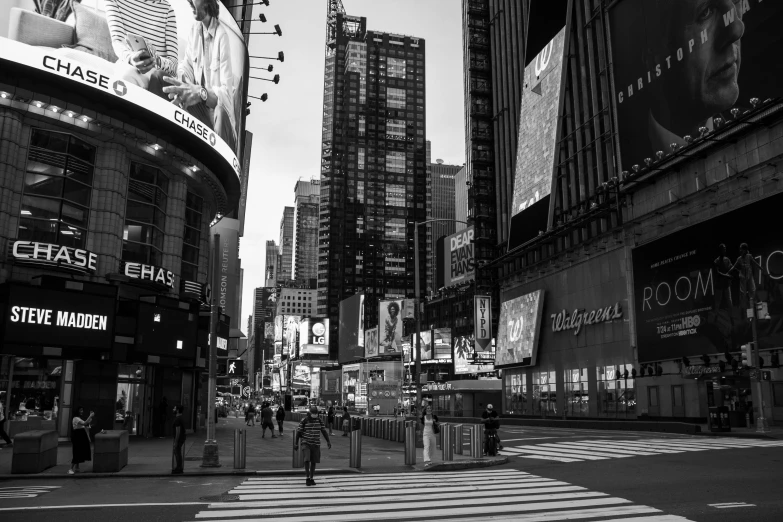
246, 392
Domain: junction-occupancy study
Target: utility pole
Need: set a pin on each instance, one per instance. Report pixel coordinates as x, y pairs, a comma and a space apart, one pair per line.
210, 457
417, 315
757, 394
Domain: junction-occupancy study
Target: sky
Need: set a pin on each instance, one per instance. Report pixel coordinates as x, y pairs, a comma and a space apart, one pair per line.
287, 127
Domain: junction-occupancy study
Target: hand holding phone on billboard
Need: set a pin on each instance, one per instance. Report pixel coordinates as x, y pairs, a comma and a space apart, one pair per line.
141, 58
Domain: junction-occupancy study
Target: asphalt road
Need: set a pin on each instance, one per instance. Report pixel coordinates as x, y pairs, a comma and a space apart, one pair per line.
672, 477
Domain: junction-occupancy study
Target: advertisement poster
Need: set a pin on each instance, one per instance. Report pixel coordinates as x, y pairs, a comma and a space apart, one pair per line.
463, 357
459, 261
106, 39
407, 349
351, 329
275, 382
290, 333
518, 330
679, 66
390, 327
692, 289
426, 345
371, 342
441, 343
482, 308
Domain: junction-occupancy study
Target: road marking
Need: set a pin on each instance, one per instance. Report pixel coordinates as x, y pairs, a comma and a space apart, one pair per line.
728, 505
511, 495
25, 491
80, 506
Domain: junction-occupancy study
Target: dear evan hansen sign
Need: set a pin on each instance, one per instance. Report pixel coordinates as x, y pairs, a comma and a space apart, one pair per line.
458, 263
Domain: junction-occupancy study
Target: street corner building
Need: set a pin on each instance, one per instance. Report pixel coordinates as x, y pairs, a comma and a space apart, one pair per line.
109, 193
647, 286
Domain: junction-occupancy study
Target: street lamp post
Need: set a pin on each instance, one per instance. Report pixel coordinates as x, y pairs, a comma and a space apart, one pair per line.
417, 289
757, 395
210, 457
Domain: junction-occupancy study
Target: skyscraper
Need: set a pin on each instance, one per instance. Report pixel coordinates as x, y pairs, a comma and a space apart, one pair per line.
286, 246
461, 197
306, 198
373, 164
441, 204
271, 263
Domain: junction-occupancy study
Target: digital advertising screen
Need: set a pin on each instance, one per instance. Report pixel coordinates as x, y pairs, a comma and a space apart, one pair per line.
290, 334
692, 288
129, 52
441, 343
426, 345
389, 327
463, 357
314, 336
351, 329
519, 330
371, 342
459, 259
681, 64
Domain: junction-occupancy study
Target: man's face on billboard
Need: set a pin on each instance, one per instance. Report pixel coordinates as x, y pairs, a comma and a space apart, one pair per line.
709, 73
199, 9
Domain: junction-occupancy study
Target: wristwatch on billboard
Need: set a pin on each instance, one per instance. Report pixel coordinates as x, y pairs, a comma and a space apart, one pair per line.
203, 94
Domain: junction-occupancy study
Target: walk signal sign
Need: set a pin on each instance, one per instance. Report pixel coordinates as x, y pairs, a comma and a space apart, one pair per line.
235, 367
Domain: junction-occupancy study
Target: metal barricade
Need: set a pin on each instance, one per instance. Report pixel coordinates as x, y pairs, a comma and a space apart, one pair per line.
393, 430
240, 448
378, 428
401, 430
410, 443
447, 432
477, 441
444, 426
355, 455
297, 461
385, 424
365, 428
459, 439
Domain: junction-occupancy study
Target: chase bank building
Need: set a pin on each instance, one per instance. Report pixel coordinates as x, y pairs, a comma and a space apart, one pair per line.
106, 201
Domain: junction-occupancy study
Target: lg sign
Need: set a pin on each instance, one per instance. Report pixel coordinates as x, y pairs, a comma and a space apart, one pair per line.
318, 333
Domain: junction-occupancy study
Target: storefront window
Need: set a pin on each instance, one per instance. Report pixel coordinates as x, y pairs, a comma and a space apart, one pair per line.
576, 392
130, 398
516, 393
616, 391
35, 390
442, 405
545, 393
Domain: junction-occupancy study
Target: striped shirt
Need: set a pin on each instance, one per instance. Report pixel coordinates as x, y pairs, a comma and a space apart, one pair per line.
151, 19
310, 430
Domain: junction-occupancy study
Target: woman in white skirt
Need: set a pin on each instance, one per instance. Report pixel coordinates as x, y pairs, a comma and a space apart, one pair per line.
431, 429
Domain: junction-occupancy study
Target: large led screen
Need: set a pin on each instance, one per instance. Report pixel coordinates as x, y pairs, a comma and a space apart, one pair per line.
371, 342
464, 363
155, 55
351, 329
441, 343
518, 330
314, 336
692, 289
680, 64
459, 262
290, 334
389, 327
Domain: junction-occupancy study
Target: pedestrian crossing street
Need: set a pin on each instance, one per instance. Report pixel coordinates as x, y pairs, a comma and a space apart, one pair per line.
490, 494
602, 449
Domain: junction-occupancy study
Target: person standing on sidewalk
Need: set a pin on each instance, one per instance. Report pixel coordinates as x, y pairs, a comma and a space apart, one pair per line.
280, 416
330, 417
250, 415
346, 421
3, 434
309, 431
80, 440
431, 429
179, 442
266, 421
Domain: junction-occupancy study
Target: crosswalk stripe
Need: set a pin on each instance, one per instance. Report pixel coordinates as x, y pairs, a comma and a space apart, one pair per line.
576, 514
341, 497
584, 451
390, 489
643, 447
364, 479
657, 518
603, 448
546, 457
518, 496
432, 513
366, 476
548, 452
427, 479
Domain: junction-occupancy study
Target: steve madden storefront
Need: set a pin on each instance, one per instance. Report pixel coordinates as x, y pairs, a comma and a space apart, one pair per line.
563, 343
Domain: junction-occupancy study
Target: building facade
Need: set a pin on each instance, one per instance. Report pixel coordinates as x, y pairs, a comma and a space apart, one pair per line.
307, 196
373, 171
441, 204
461, 198
285, 269
271, 263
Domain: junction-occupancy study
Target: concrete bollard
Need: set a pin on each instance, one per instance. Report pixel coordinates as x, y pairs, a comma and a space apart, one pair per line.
410, 443
476, 441
240, 448
355, 455
459, 439
444, 426
447, 431
393, 430
297, 460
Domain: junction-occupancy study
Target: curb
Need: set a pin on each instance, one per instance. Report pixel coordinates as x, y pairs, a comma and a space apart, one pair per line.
466, 464
132, 475
763, 436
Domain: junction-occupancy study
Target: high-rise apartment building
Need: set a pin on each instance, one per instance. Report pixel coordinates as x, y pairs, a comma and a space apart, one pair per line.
272, 263
441, 204
307, 195
286, 246
373, 165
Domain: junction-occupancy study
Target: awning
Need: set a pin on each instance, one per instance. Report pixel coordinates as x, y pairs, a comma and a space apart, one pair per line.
236, 333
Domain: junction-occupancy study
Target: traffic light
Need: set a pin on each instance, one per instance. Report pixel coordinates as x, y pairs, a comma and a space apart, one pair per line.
235, 368
746, 356
775, 360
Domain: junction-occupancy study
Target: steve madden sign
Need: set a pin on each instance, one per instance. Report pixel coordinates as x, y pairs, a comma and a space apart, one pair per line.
64, 318
55, 256
153, 274
562, 321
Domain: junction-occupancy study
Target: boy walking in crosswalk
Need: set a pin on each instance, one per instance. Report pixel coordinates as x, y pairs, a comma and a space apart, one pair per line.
310, 430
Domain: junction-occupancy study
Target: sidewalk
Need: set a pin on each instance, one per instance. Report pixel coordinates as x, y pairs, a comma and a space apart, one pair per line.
152, 457
774, 432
